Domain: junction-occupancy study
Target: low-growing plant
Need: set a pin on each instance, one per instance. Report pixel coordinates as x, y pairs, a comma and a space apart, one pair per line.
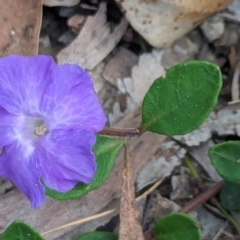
52, 116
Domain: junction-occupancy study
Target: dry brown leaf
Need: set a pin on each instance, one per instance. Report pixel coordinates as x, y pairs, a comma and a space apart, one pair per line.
20, 26
162, 22
63, 3
53, 213
94, 42
130, 227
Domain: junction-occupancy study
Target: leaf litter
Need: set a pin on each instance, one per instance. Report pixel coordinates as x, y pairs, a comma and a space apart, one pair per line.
123, 68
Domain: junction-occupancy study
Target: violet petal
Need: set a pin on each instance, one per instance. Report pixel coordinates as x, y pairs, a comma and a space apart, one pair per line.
19, 166
66, 158
70, 101
7, 123
22, 82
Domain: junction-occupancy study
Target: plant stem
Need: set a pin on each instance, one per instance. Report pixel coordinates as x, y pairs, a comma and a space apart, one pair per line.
226, 214
202, 198
190, 166
120, 132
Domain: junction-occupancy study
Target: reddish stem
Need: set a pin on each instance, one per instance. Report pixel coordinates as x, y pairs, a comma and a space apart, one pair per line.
120, 132
202, 197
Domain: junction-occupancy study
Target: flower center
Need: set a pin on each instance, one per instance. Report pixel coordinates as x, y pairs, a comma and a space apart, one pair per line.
41, 130
31, 128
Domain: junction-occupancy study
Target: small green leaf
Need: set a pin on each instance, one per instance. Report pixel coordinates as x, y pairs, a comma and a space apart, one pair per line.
177, 226
18, 230
230, 197
180, 101
98, 236
225, 157
105, 151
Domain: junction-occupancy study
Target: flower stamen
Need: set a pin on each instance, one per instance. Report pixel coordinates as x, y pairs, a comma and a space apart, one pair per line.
41, 130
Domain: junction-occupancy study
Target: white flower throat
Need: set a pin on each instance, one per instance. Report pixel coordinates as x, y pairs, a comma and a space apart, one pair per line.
31, 128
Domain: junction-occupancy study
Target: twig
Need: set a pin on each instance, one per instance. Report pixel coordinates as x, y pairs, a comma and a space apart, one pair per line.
150, 190
226, 214
80, 221
202, 197
87, 219
220, 231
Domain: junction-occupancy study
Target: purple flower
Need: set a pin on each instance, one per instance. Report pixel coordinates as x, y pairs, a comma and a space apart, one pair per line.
49, 115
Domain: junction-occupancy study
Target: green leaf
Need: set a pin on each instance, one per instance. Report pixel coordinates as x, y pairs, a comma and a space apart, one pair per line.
18, 230
98, 236
225, 157
180, 101
105, 151
177, 226
230, 197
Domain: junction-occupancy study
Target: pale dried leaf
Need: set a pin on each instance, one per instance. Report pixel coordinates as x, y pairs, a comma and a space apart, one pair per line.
161, 164
130, 226
63, 3
120, 65
94, 42
20, 26
162, 22
144, 73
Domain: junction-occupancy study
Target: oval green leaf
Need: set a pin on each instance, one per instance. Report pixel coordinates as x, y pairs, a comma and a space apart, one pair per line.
105, 151
98, 236
177, 226
225, 157
18, 230
230, 197
180, 101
